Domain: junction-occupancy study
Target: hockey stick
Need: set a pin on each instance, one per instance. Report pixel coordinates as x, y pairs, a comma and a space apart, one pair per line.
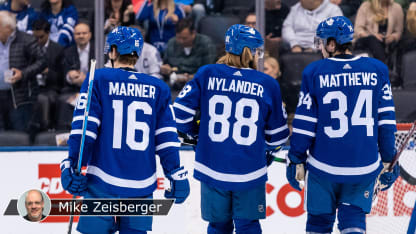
84, 130
400, 149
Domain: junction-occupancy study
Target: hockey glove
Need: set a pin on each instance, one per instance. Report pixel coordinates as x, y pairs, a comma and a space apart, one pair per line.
270, 157
387, 178
179, 185
295, 172
73, 183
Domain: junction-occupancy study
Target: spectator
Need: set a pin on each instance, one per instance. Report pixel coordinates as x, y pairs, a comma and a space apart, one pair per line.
192, 8
408, 41
185, 53
51, 79
162, 16
25, 15
272, 68
63, 16
250, 20
299, 26
116, 13
378, 27
276, 13
20, 60
77, 61
349, 7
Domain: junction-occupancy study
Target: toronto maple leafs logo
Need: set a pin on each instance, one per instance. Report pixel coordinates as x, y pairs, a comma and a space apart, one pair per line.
330, 21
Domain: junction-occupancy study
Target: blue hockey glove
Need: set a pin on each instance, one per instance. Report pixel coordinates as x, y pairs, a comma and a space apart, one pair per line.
179, 185
73, 183
295, 171
387, 178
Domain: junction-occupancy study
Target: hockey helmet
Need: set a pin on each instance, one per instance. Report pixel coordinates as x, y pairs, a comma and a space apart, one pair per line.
239, 36
127, 40
338, 27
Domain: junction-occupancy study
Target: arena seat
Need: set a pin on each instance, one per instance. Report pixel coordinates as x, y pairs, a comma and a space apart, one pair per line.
404, 101
215, 27
292, 65
14, 138
409, 70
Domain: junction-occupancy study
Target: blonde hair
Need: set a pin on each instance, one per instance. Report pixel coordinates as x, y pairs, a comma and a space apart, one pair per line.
156, 8
379, 13
245, 60
8, 19
273, 63
411, 21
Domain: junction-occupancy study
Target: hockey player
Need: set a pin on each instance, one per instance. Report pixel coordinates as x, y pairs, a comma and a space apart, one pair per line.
241, 116
343, 131
130, 120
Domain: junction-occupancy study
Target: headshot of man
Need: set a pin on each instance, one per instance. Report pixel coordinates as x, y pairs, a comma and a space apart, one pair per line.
34, 204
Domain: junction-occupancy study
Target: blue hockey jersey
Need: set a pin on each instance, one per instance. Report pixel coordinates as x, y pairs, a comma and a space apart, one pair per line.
345, 119
160, 28
241, 116
62, 25
130, 120
24, 18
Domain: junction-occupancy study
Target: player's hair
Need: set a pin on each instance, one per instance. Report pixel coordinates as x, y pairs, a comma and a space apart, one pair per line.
185, 23
411, 22
341, 47
156, 8
8, 19
128, 59
245, 60
41, 25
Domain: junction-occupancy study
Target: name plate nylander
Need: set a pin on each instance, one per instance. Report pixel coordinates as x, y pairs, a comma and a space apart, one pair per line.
110, 207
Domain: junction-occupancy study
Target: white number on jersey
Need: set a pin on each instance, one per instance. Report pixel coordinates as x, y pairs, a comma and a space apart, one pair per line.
132, 125
364, 100
242, 120
82, 101
305, 99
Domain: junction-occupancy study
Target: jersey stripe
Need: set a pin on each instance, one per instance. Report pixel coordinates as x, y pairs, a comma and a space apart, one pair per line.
184, 108
277, 130
344, 171
306, 118
230, 177
90, 118
276, 143
183, 121
386, 121
165, 129
168, 144
384, 109
88, 133
303, 132
116, 181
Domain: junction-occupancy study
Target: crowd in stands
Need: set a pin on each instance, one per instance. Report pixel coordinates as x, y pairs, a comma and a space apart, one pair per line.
46, 45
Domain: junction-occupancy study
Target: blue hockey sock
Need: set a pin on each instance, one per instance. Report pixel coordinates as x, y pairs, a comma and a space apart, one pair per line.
321, 223
131, 231
221, 227
351, 219
245, 226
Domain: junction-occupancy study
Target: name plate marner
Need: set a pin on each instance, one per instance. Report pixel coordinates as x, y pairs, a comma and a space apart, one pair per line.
110, 207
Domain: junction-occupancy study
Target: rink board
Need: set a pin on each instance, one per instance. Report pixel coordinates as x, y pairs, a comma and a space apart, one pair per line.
24, 170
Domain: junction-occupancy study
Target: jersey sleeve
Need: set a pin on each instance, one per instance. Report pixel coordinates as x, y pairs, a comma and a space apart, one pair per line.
276, 131
167, 143
66, 32
386, 119
186, 106
92, 126
305, 121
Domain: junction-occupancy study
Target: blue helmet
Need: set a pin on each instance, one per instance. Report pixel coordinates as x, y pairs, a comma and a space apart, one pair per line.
239, 36
338, 27
127, 40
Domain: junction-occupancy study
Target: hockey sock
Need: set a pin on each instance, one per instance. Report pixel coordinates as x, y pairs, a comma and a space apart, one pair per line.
221, 227
245, 226
321, 223
131, 231
351, 219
